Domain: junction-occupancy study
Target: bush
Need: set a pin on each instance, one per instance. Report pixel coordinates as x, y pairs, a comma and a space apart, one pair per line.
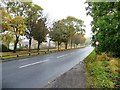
3, 48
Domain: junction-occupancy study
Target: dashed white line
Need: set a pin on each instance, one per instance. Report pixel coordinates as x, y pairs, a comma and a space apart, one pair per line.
33, 64
60, 56
66, 54
72, 52
42, 61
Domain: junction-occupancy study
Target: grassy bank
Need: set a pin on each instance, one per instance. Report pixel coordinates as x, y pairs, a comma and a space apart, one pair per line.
102, 71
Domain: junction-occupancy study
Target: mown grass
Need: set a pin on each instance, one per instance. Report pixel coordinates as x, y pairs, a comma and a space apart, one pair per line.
11, 55
102, 71
25, 53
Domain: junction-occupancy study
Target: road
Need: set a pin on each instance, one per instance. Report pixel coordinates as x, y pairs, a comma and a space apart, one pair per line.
37, 71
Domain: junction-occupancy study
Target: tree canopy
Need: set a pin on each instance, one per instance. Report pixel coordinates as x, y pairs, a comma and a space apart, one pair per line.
78, 39
19, 27
64, 29
105, 25
40, 31
26, 18
19, 18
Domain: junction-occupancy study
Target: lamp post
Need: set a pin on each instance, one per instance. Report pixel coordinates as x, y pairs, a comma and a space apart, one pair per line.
96, 44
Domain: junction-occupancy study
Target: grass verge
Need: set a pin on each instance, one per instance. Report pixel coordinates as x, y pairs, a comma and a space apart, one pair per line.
5, 56
102, 71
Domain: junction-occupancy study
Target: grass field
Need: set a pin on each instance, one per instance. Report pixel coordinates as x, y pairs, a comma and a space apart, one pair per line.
102, 71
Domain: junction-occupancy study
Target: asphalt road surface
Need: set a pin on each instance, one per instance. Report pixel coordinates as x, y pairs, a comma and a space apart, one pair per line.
37, 71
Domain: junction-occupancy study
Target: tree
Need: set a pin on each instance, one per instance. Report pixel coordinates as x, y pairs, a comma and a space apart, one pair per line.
31, 12
6, 20
74, 26
56, 34
7, 38
40, 31
18, 8
19, 27
33, 15
67, 31
78, 39
105, 25
82, 39
6, 34
64, 29
88, 41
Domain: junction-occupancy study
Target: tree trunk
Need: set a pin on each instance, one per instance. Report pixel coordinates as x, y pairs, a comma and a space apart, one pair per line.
8, 46
30, 40
71, 44
66, 45
74, 45
38, 47
58, 46
15, 44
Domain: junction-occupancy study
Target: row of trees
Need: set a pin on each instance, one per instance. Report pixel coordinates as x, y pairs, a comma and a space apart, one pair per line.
106, 25
68, 30
26, 18
22, 18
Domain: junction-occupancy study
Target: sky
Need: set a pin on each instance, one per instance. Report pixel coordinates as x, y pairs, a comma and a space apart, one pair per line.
59, 9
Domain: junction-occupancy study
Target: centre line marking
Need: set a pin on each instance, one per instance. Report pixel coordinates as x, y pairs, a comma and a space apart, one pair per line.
71, 53
60, 56
33, 64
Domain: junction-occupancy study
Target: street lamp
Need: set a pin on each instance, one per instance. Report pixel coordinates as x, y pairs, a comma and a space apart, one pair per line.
97, 43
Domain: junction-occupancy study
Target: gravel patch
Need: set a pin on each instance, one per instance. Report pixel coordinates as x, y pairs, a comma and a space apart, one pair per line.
74, 78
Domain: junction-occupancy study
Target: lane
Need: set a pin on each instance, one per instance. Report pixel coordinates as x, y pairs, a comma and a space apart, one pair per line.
37, 71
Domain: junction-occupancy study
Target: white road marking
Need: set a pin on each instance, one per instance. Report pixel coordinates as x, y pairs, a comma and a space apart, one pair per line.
66, 54
22, 60
33, 64
42, 61
72, 52
62, 55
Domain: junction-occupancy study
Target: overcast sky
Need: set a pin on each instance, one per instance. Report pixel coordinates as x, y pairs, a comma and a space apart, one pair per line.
59, 9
